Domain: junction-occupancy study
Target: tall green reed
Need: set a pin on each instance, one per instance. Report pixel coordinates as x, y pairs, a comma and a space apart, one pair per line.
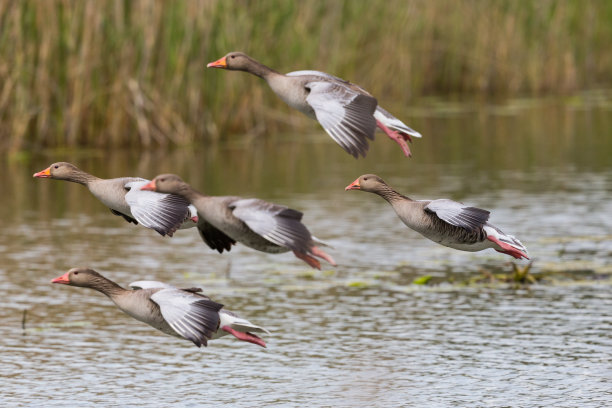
132, 73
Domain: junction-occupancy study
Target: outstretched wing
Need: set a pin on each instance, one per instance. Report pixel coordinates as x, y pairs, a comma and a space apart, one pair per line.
276, 223
162, 212
214, 237
457, 214
193, 317
346, 115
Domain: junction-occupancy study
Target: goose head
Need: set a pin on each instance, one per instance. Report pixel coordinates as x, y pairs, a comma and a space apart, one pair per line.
165, 183
59, 171
368, 182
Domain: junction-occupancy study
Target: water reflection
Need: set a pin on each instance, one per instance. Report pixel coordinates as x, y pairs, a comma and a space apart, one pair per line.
356, 335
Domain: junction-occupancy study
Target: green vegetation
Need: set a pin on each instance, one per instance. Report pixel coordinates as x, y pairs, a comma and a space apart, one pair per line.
133, 73
422, 280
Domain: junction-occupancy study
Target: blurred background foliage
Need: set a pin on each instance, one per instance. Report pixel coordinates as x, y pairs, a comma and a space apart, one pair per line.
133, 73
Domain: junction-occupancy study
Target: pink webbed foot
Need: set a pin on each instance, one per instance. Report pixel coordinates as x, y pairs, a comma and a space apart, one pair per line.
508, 249
318, 252
250, 337
308, 259
400, 138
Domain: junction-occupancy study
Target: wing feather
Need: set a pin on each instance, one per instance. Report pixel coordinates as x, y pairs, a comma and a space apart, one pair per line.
276, 223
459, 215
163, 213
193, 317
214, 237
346, 115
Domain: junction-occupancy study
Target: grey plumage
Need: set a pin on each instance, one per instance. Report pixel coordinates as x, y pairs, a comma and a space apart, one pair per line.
444, 221
195, 319
163, 213
183, 313
346, 111
278, 224
457, 214
264, 226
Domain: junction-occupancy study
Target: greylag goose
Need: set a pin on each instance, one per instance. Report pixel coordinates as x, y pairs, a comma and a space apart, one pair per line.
164, 213
347, 112
225, 220
444, 221
183, 313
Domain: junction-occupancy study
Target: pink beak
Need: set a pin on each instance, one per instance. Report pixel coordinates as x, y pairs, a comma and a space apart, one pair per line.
46, 173
353, 186
150, 186
220, 63
62, 279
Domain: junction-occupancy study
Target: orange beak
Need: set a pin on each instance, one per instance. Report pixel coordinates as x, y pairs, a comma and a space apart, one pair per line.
220, 63
46, 173
150, 186
353, 186
62, 279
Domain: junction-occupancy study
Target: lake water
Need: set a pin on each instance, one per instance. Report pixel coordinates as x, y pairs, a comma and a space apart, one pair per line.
360, 334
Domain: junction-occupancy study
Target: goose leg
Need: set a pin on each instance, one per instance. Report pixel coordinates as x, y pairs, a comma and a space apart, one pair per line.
400, 138
318, 252
250, 337
508, 249
308, 259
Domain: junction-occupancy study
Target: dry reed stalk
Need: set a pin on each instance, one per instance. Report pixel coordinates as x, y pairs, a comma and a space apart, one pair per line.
116, 73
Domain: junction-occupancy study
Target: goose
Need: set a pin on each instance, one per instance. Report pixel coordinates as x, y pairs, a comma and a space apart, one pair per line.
264, 226
444, 221
347, 112
183, 313
164, 213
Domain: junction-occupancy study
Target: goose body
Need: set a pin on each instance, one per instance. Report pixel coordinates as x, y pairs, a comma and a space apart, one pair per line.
444, 221
164, 213
347, 112
229, 214
264, 226
183, 313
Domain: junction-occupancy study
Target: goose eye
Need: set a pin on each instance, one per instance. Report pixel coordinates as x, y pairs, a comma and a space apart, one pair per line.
56, 166
76, 273
232, 56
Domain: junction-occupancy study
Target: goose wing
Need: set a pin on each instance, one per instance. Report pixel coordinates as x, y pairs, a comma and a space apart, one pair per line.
346, 115
214, 237
457, 214
276, 223
193, 317
162, 212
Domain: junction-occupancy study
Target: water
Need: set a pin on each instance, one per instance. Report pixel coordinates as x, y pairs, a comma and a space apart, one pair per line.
360, 334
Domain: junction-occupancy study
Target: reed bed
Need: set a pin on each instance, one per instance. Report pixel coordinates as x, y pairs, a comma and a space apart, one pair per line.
133, 73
